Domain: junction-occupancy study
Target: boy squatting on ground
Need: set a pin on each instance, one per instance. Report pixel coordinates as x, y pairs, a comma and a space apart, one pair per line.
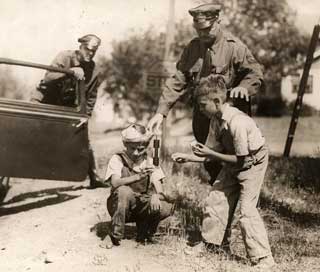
136, 192
235, 140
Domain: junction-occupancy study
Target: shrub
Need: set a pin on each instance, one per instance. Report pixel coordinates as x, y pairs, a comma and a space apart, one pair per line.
305, 111
270, 106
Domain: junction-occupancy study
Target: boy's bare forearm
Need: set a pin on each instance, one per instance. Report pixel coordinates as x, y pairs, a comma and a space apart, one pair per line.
194, 158
158, 186
117, 182
222, 157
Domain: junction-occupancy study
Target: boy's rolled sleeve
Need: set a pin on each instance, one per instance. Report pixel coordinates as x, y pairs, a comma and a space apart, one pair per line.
240, 135
114, 167
157, 175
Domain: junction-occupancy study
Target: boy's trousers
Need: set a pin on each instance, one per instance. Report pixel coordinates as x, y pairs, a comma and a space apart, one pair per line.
124, 205
231, 187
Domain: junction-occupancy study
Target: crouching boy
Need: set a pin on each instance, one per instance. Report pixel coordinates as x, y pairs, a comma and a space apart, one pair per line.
235, 140
136, 189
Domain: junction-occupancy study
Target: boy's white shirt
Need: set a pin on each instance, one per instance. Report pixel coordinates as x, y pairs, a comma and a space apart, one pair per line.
115, 166
246, 135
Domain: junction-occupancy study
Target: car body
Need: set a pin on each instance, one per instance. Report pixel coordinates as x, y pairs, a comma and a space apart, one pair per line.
43, 141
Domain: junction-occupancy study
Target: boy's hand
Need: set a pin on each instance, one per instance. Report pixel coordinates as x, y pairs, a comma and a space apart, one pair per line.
155, 203
201, 150
180, 157
142, 175
148, 169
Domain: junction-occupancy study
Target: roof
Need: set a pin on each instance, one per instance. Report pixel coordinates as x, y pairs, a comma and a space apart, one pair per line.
316, 55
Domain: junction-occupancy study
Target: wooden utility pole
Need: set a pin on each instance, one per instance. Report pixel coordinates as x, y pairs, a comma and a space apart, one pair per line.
170, 30
302, 87
169, 40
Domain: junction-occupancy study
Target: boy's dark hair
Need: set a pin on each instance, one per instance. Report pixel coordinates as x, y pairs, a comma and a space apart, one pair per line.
212, 87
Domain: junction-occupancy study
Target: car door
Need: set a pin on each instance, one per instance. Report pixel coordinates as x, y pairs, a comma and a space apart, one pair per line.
44, 141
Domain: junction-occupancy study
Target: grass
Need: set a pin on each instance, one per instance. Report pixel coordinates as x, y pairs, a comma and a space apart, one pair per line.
289, 204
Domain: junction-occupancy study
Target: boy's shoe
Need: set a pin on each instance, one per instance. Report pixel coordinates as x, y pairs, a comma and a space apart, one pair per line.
151, 240
141, 240
109, 242
203, 248
218, 249
198, 249
265, 263
147, 240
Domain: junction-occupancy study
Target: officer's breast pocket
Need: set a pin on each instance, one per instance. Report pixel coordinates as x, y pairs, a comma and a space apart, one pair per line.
219, 64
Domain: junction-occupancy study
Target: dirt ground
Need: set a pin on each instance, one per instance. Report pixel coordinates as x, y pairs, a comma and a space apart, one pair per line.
57, 226
53, 226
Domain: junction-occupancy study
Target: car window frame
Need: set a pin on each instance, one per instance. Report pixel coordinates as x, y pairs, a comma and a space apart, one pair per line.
80, 90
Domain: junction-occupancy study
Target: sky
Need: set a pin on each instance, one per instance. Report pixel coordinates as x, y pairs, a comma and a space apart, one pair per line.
35, 30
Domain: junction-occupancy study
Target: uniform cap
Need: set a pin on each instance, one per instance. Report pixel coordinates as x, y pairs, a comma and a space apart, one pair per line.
91, 41
135, 133
205, 15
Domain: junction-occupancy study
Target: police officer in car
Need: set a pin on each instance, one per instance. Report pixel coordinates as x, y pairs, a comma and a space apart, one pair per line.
58, 88
214, 51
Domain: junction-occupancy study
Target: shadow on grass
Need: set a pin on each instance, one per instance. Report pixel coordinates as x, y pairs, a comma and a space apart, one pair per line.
302, 219
295, 172
52, 196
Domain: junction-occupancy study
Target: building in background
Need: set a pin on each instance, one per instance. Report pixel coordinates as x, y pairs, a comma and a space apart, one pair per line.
290, 85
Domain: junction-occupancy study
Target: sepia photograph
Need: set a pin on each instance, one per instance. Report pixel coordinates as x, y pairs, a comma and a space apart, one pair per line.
160, 135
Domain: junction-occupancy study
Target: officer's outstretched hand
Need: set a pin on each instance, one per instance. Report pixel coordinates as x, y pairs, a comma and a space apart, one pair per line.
78, 72
239, 92
155, 122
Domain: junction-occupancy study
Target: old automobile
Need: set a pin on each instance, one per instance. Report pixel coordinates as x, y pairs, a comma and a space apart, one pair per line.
42, 141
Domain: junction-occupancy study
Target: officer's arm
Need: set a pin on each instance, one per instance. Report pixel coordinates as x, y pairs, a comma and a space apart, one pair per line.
60, 61
176, 86
249, 70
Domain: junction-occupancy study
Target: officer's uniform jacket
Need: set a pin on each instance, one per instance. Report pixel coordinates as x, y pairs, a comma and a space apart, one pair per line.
69, 59
228, 56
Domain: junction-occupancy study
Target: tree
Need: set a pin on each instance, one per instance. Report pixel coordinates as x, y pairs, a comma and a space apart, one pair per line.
266, 27
10, 86
269, 30
124, 72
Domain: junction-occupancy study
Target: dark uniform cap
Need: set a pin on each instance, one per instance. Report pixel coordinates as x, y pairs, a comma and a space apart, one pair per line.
91, 41
205, 15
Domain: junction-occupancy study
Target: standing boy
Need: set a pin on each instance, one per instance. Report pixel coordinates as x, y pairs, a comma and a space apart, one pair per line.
235, 140
136, 193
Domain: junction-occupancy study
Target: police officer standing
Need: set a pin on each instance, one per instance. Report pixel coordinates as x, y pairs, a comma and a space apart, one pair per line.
57, 88
214, 51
